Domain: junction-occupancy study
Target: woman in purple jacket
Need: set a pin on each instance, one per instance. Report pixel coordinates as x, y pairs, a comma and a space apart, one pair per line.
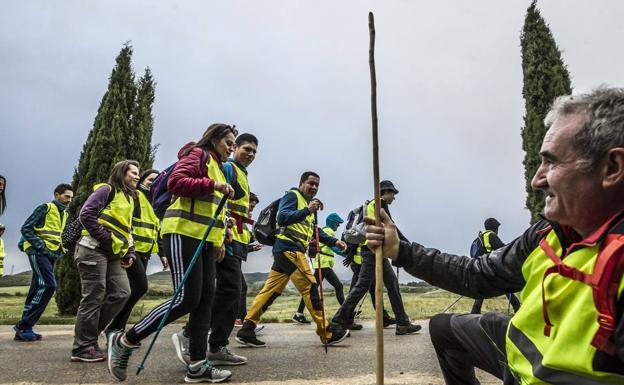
102, 254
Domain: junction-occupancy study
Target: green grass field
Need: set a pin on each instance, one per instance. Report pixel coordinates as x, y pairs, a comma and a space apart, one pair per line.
418, 305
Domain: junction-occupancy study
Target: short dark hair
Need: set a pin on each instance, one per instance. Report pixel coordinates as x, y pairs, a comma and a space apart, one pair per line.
246, 138
306, 175
60, 189
253, 198
145, 174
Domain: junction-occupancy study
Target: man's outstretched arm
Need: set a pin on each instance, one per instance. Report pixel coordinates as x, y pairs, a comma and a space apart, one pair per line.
489, 275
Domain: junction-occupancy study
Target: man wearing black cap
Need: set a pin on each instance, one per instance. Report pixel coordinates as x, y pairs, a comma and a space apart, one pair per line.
345, 314
488, 240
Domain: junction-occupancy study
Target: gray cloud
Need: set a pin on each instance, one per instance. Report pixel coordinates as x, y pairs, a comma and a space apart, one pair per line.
296, 75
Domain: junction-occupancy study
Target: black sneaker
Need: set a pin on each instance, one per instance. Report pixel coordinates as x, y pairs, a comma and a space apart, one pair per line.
388, 321
338, 335
203, 371
406, 329
353, 326
300, 318
247, 336
88, 354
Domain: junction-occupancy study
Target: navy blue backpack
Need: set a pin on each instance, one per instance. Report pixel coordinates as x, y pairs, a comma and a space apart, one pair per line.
160, 196
477, 247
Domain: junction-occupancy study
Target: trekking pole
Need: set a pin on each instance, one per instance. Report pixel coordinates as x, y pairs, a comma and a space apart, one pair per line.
452, 304
213, 220
378, 252
358, 310
320, 278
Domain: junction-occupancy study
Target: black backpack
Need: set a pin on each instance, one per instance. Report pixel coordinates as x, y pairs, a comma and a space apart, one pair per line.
73, 228
265, 228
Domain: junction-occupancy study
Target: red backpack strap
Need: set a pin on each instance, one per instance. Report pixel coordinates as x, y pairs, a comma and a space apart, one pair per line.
562, 269
608, 273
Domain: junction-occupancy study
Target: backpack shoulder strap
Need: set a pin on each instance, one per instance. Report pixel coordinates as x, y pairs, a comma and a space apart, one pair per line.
111, 196
605, 282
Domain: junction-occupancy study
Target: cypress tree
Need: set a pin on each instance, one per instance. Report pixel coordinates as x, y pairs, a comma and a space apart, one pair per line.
545, 78
116, 135
143, 121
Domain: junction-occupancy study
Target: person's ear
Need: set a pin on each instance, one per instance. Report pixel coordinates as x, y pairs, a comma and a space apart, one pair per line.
613, 168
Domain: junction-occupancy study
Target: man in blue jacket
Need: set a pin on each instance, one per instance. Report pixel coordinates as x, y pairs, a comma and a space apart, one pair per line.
41, 241
296, 218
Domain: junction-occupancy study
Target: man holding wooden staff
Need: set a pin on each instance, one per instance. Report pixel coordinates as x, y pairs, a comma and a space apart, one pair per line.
569, 265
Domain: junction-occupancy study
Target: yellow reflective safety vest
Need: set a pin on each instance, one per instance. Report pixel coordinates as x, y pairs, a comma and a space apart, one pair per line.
191, 216
485, 236
50, 232
562, 352
145, 228
239, 209
327, 254
2, 255
370, 212
116, 217
300, 232
357, 258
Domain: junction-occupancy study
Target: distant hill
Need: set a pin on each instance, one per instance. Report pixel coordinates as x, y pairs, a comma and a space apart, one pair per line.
159, 278
164, 278
255, 277
19, 279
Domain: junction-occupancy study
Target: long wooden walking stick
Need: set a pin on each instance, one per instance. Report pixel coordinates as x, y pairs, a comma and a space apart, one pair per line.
378, 251
320, 278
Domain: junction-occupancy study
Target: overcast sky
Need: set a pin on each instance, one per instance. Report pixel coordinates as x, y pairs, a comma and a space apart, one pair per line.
295, 74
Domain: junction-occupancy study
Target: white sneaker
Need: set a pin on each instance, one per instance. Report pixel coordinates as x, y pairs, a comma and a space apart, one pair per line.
225, 357
181, 344
259, 329
203, 371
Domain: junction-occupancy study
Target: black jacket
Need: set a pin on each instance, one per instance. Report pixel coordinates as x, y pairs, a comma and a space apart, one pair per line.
493, 274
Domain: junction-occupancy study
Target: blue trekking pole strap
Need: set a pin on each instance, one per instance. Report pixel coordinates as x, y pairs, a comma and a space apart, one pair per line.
213, 220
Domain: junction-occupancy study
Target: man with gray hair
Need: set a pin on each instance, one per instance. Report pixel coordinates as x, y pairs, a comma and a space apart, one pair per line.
569, 265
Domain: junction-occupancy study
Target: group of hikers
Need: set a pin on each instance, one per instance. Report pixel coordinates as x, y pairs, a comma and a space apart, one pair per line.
568, 266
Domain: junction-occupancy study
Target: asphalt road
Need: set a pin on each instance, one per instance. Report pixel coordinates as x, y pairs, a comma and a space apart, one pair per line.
293, 356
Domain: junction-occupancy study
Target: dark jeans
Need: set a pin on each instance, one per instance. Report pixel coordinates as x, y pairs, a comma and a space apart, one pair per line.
513, 300
196, 296
463, 342
138, 288
365, 281
242, 304
330, 276
226, 301
42, 287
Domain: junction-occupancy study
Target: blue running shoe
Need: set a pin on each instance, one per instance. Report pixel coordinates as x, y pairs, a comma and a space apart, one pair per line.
24, 335
39, 336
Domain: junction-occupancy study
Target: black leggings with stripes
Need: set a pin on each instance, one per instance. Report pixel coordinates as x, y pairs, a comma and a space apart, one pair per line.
195, 298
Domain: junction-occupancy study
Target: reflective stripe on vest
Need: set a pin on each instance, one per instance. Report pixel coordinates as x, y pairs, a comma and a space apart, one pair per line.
145, 229
50, 232
191, 217
566, 355
327, 254
300, 232
240, 207
116, 217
